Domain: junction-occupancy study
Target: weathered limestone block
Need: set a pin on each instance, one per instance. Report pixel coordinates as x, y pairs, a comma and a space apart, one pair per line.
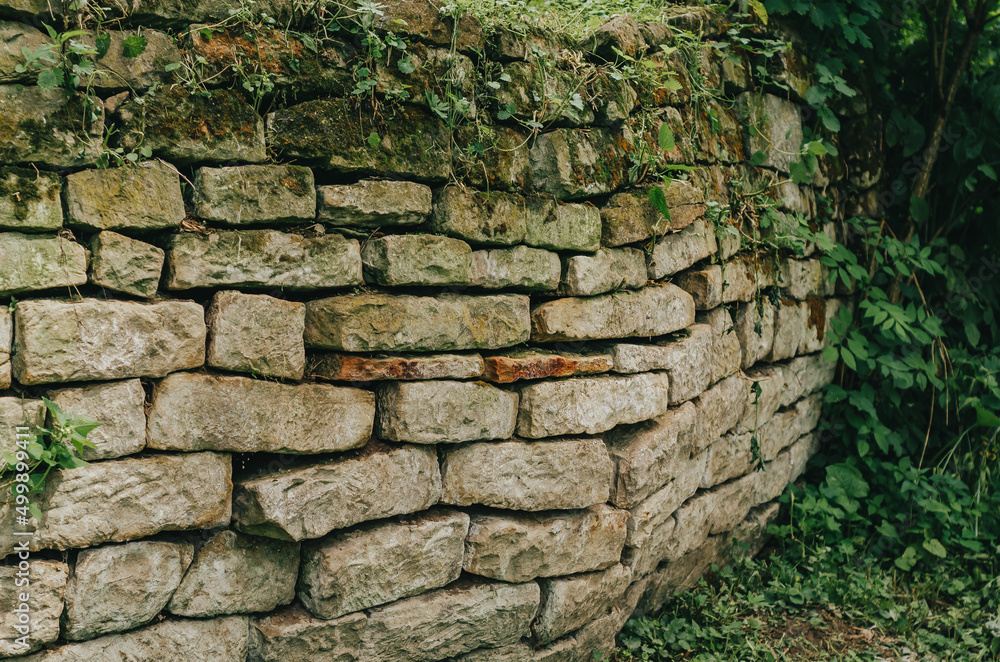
14, 37
234, 573
805, 278
569, 227
494, 218
772, 125
146, 196
533, 90
571, 602
590, 405
604, 271
19, 412
48, 128
293, 634
790, 318
819, 317
45, 592
374, 203
347, 368
118, 407
262, 258
121, 500
704, 286
399, 323
125, 265
649, 455
425, 22
381, 562
433, 70
622, 33
58, 341
764, 396
416, 259
789, 425
505, 168
726, 356
218, 639
578, 163
536, 364
120, 587
629, 217
442, 411
677, 251
687, 358
450, 621
244, 195
29, 200
330, 134
720, 408
258, 334
117, 71
729, 457
310, 501
804, 375
651, 311
40, 262
755, 330
717, 284
598, 636
517, 547
518, 475
6, 346
214, 127
194, 411
519, 268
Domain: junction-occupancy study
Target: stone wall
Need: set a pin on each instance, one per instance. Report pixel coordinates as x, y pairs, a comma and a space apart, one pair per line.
371, 392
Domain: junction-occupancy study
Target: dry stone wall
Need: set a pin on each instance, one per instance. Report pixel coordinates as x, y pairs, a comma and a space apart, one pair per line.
398, 398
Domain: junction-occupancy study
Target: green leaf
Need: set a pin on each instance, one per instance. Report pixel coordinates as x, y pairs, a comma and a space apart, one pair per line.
658, 199
935, 547
373, 139
35, 511
987, 418
759, 10
846, 479
134, 46
102, 44
919, 209
406, 66
666, 138
758, 158
50, 78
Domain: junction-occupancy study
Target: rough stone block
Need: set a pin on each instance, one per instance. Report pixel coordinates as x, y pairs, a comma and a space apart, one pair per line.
590, 405
146, 196
120, 587
234, 573
804, 375
772, 125
629, 218
517, 475
121, 500
374, 203
40, 262
755, 330
704, 286
569, 227
214, 127
19, 412
571, 602
245, 195
293, 634
30, 200
790, 319
347, 368
604, 271
126, 265
118, 407
330, 134
678, 251
493, 219
417, 260
450, 621
6, 346
48, 128
397, 323
381, 562
117, 71
194, 411
504, 168
721, 407
819, 317
578, 163
310, 501
804, 278
726, 356
536, 364
519, 268
687, 358
48, 584
442, 411
14, 37
517, 547
651, 311
528, 90
764, 396
262, 258
425, 22
58, 341
258, 334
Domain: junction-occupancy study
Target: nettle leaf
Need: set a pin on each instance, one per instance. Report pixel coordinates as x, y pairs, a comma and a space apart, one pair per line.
102, 44
406, 66
658, 199
134, 46
51, 78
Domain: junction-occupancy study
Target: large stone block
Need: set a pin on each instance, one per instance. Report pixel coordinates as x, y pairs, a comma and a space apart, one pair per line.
517, 547
651, 311
45, 604
755, 330
312, 500
348, 368
59, 341
450, 621
49, 128
570, 227
294, 634
14, 37
118, 407
192, 412
571, 602
517, 475
519, 268
726, 356
530, 91
6, 345
40, 262
721, 407
233, 573
258, 334
121, 500
417, 260
629, 218
19, 413
126, 265
331, 134
493, 219
535, 364
395, 323
445, 412
146, 196
245, 195
381, 562
262, 258
120, 587
118, 71
578, 163
604, 271
790, 318
804, 375
774, 126
764, 397
686, 357
374, 203
590, 405
678, 251
30, 200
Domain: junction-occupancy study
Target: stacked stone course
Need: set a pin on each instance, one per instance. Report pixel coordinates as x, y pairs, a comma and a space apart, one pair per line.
376, 402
